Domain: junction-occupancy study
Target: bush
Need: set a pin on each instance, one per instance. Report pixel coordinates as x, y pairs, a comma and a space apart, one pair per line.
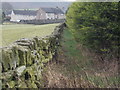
95, 25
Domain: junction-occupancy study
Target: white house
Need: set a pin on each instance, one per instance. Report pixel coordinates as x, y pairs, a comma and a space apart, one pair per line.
17, 15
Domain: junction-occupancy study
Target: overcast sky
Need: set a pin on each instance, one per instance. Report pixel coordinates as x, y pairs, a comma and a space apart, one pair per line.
59, 0
37, 0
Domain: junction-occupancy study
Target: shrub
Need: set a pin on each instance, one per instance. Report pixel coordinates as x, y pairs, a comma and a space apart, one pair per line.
95, 25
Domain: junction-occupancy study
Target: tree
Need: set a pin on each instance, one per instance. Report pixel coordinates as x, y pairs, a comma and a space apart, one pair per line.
6, 7
95, 25
3, 17
0, 16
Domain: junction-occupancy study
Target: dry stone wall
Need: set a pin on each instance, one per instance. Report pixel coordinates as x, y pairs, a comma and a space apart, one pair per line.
23, 61
39, 22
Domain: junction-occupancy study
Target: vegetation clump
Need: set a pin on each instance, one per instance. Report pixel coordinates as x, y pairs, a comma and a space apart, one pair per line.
95, 25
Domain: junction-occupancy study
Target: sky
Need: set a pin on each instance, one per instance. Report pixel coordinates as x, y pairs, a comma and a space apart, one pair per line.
59, 0
38, 0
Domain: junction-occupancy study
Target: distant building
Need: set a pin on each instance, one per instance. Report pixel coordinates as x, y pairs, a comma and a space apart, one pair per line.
50, 13
17, 15
42, 13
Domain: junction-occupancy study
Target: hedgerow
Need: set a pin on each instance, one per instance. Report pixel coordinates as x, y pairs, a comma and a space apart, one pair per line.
95, 25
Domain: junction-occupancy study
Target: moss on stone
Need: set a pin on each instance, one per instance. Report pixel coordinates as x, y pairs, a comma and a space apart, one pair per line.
20, 70
29, 73
31, 84
6, 59
11, 84
21, 53
23, 62
22, 85
16, 55
28, 57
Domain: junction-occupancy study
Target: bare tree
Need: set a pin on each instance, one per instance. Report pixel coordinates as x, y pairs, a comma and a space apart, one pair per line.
6, 6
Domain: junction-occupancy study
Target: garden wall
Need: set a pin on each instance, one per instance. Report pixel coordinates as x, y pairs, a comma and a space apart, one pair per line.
23, 61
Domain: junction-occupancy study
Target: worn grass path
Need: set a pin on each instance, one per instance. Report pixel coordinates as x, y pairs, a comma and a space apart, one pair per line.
13, 32
77, 67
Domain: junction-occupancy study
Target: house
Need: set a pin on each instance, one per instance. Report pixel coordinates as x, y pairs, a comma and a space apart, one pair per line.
50, 13
42, 13
17, 15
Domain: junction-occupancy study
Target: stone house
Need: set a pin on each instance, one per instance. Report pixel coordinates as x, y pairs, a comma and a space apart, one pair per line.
42, 13
50, 13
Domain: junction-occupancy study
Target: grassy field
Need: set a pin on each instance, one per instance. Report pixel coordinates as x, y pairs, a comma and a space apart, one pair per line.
13, 32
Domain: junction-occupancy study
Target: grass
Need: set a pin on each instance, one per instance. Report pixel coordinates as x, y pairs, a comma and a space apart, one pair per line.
13, 32
76, 58
83, 63
79, 68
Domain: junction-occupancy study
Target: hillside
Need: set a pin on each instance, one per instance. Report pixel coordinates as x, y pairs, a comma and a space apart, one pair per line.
36, 5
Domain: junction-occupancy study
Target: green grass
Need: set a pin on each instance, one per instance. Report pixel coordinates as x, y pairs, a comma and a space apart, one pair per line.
13, 32
74, 55
84, 65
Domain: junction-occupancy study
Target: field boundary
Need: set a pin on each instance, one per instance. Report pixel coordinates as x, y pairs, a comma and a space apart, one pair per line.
39, 22
23, 61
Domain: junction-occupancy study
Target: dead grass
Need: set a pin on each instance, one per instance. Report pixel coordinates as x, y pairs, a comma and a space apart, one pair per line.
77, 67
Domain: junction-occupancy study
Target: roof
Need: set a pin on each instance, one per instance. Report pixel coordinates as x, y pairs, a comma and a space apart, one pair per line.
8, 12
25, 12
53, 10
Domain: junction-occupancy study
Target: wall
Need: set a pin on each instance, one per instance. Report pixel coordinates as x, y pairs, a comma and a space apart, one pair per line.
39, 22
23, 61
